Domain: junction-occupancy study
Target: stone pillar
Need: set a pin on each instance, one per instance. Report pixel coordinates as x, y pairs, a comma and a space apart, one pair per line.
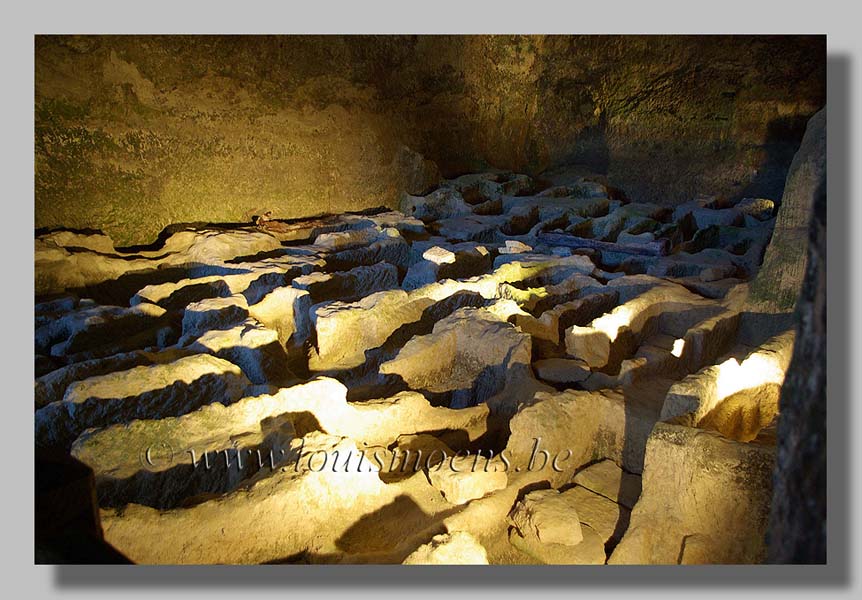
797, 531
779, 280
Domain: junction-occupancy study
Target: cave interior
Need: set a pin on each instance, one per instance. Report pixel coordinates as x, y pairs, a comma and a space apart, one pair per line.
430, 299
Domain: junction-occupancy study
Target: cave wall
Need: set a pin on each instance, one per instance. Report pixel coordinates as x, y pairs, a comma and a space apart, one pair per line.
133, 133
781, 276
797, 528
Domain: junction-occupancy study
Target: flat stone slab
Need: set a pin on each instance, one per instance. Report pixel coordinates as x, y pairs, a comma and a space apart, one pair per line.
605, 516
465, 478
252, 347
549, 516
591, 551
214, 313
607, 479
209, 450
469, 355
456, 548
144, 392
561, 370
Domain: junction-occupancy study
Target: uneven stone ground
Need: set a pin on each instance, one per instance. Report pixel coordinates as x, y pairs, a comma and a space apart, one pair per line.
299, 391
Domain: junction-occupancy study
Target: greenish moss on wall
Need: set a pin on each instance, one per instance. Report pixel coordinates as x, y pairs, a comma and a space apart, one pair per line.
135, 132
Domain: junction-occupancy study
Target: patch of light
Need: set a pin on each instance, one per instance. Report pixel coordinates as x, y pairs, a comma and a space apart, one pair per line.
757, 370
611, 323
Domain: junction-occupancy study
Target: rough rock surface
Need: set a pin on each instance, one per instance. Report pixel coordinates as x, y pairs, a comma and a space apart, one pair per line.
697, 482
465, 478
549, 516
469, 357
160, 390
195, 377
797, 527
606, 517
252, 347
214, 313
133, 131
457, 548
783, 270
590, 551
608, 480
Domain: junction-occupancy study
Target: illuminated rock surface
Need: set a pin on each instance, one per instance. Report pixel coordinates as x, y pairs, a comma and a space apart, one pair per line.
463, 479
458, 548
590, 551
698, 483
470, 356
160, 390
220, 385
549, 516
608, 480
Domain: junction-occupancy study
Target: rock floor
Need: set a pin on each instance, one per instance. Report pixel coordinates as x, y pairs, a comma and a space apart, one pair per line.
496, 373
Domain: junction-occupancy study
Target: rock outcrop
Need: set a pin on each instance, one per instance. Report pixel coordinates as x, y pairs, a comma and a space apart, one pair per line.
780, 280
523, 373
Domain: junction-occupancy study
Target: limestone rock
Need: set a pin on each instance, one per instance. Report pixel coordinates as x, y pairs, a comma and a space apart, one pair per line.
549, 516
698, 482
210, 450
798, 529
177, 295
467, 260
439, 204
431, 331
98, 242
384, 420
253, 523
706, 217
389, 248
438, 255
391, 218
780, 277
624, 218
423, 449
456, 548
579, 427
465, 478
419, 175
737, 398
630, 238
251, 346
617, 332
341, 240
285, 310
471, 228
608, 480
253, 280
92, 327
485, 120
591, 551
759, 208
52, 386
345, 331
515, 247
553, 207
160, 390
214, 313
561, 370
469, 356
716, 273
355, 283
548, 331
602, 515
